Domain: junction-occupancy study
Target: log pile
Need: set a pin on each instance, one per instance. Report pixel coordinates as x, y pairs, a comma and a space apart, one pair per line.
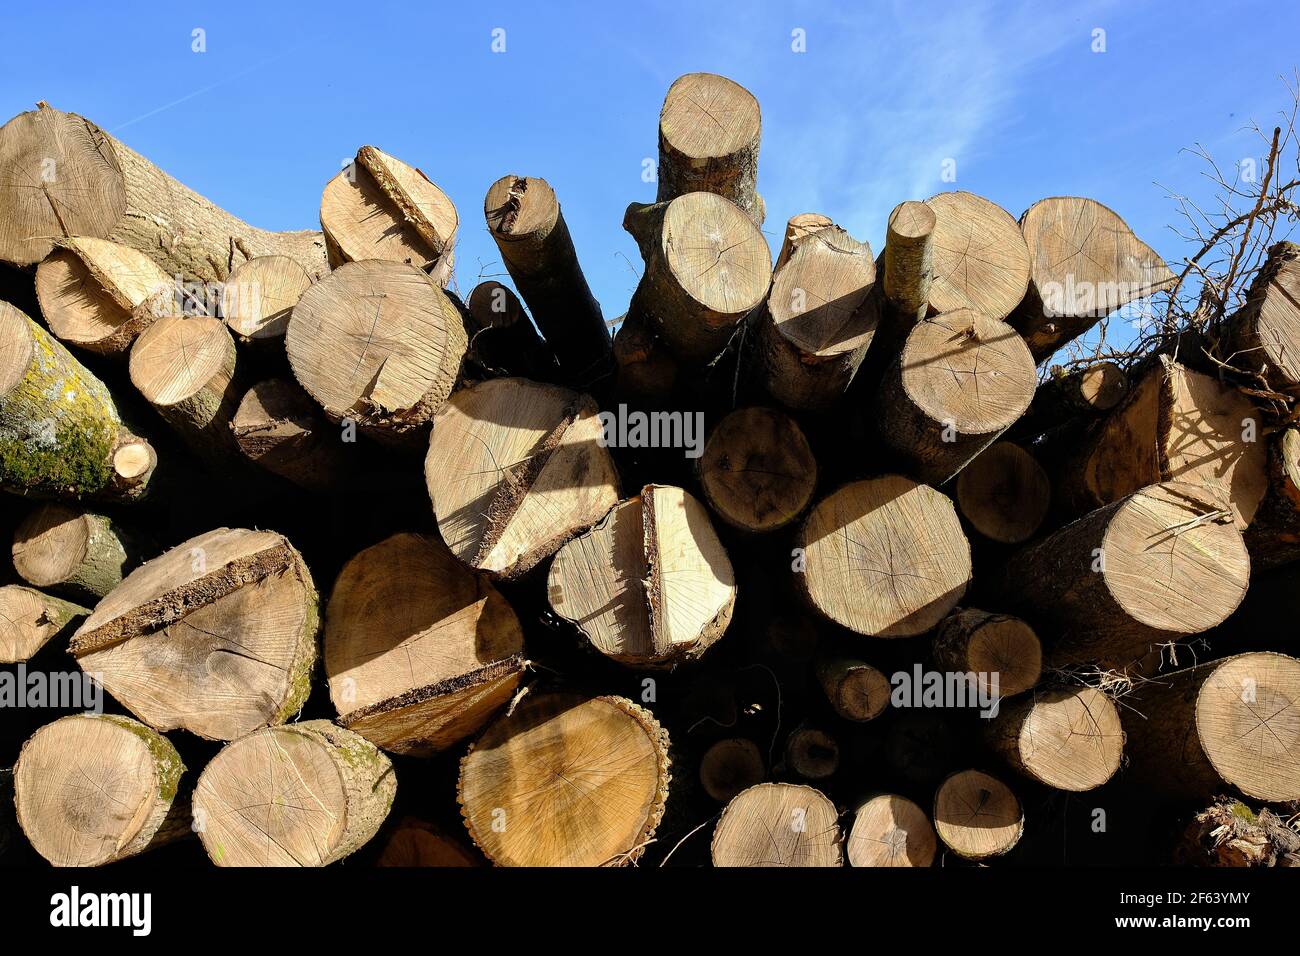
817, 561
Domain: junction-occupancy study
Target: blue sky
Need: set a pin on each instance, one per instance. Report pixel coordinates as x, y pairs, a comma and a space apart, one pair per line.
885, 92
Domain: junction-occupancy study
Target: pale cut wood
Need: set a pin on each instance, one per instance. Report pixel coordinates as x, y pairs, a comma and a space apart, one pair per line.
1156, 566
1273, 538
379, 207
884, 557
566, 781
71, 551
977, 816
1232, 722
278, 427
855, 689
30, 619
1264, 335
817, 326
909, 261
216, 636
306, 794
891, 831
516, 468
709, 130
1084, 263
1069, 738
971, 641
1004, 493
778, 824
707, 266
60, 432
651, 584
757, 470
979, 256
417, 842
258, 298
961, 380
730, 766
797, 228
61, 175
1176, 424
99, 295
92, 789
419, 650
523, 215
377, 343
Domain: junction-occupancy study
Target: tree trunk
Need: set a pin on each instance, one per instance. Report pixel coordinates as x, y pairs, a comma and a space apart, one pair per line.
505, 342
60, 433
960, 381
979, 257
1163, 563
1175, 425
1227, 723
514, 470
306, 794
523, 216
707, 266
778, 824
796, 229
730, 766
650, 585
757, 471
1084, 263
709, 131
216, 636
1069, 738
1004, 493
419, 650
889, 830
378, 207
528, 785
379, 344
1083, 394
258, 299
1263, 337
91, 184
72, 551
31, 620
1273, 537
909, 262
647, 370
884, 557
817, 325
977, 816
855, 689
970, 641
93, 789
278, 427
99, 295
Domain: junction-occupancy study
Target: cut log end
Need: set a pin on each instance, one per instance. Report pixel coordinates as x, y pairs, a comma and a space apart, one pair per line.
258, 298
980, 258
856, 690
730, 766
1004, 493
890, 831
977, 816
30, 619
1003, 652
180, 356
778, 824
757, 470
1067, 738
812, 753
70, 550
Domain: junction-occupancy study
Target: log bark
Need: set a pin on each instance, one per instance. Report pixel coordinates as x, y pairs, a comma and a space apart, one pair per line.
61, 175
855, 689
1084, 263
979, 256
730, 766
377, 343
72, 551
757, 471
419, 650
1263, 337
526, 786
99, 295
650, 585
778, 824
524, 218
707, 266
278, 427
306, 794
1159, 565
1083, 394
60, 432
971, 641
258, 299
817, 324
709, 131
515, 469
1176, 424
884, 557
1004, 493
30, 619
1273, 537
909, 262
890, 831
977, 816
1069, 738
184, 366
216, 636
93, 789
647, 370
1227, 723
505, 342
379, 207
